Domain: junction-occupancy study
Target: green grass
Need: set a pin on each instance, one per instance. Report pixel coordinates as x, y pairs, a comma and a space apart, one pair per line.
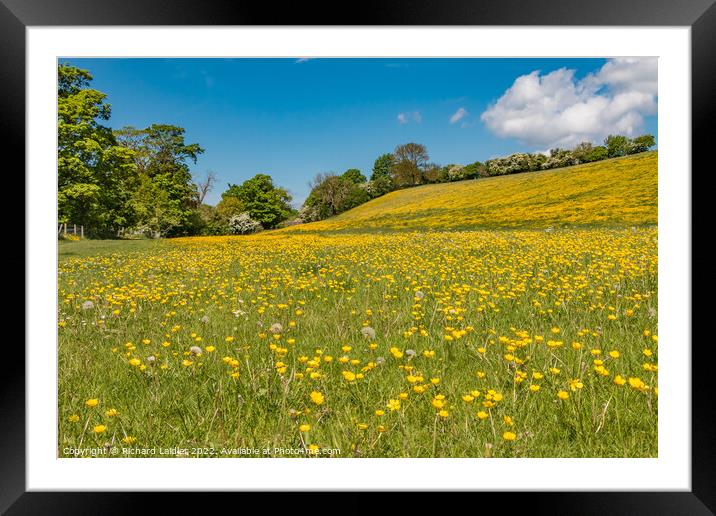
488, 310
81, 248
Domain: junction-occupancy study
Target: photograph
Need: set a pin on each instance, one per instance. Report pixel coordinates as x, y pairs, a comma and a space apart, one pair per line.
357, 257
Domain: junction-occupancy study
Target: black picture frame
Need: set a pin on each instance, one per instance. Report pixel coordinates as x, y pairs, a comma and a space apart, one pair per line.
700, 15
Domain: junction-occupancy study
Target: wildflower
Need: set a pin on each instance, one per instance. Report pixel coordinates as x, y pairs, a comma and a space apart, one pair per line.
443, 414
186, 363
92, 402
195, 350
393, 405
98, 429
368, 332
509, 436
614, 353
276, 328
129, 440
304, 428
563, 395
210, 349
317, 397
134, 362
379, 412
111, 412
73, 418
362, 426
349, 376
482, 414
619, 380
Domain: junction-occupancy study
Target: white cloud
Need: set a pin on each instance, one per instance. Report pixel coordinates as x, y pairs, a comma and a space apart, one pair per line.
412, 116
557, 109
458, 115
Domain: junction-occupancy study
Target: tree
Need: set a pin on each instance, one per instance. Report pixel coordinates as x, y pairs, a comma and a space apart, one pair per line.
243, 224
598, 153
95, 176
381, 185
206, 185
264, 202
331, 195
354, 176
162, 156
475, 170
409, 162
382, 167
328, 195
617, 145
582, 151
641, 144
229, 206
156, 213
433, 173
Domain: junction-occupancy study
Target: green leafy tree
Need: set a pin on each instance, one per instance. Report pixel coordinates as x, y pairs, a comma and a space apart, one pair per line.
475, 170
597, 153
354, 176
265, 203
382, 167
331, 195
229, 206
641, 143
381, 185
162, 156
156, 212
582, 151
95, 176
617, 145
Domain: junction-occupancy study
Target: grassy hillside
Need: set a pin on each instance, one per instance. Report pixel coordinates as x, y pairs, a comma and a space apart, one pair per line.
619, 191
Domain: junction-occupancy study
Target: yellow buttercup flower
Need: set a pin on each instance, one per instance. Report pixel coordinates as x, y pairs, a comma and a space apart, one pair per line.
317, 397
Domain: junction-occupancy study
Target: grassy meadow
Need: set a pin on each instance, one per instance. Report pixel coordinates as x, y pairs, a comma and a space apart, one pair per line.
502, 317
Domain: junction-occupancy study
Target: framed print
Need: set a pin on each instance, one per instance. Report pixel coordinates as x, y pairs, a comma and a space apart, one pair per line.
437, 249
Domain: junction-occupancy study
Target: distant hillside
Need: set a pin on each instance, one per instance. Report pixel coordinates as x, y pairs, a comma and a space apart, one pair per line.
621, 191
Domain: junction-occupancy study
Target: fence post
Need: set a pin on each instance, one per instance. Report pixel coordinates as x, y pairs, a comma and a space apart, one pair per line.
65, 228
74, 229
82, 231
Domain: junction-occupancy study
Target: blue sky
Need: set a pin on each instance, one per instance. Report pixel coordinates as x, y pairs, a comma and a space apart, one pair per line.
294, 118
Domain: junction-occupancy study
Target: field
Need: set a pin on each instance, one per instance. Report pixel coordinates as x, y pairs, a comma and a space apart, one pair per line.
614, 192
380, 336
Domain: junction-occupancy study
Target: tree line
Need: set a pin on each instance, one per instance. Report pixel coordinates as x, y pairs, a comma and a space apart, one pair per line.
409, 165
138, 181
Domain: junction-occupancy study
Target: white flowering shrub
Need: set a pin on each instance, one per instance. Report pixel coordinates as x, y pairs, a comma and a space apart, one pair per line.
243, 224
